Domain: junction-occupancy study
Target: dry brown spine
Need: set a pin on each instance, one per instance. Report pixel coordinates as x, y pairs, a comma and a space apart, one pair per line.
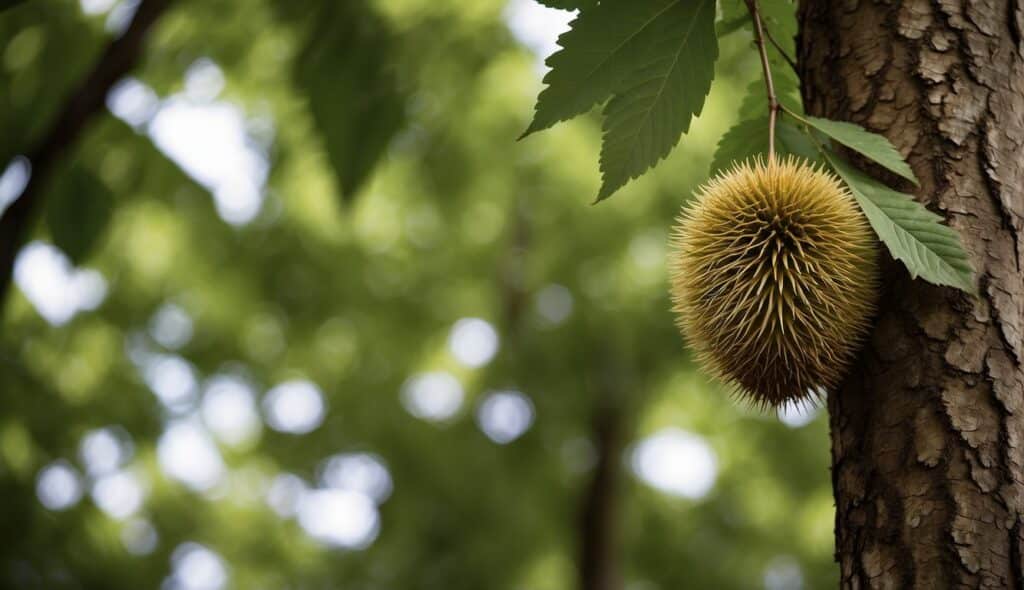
774, 279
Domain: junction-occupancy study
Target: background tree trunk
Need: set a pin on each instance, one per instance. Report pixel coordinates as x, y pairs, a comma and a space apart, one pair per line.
928, 430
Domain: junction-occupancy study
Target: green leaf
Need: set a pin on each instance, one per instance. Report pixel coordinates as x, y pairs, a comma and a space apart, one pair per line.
912, 234
787, 90
777, 16
644, 121
871, 145
749, 138
5, 4
353, 94
603, 47
78, 212
568, 4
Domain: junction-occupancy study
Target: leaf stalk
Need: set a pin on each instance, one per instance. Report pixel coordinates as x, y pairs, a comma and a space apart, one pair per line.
773, 101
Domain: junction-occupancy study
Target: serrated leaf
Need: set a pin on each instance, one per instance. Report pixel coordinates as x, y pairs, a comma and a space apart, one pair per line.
749, 138
870, 145
913, 234
78, 211
568, 4
601, 49
645, 121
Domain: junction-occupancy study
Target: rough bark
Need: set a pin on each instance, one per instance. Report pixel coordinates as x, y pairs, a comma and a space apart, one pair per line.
928, 430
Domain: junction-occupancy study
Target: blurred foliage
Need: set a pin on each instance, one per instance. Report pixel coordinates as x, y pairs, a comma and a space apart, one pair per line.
457, 220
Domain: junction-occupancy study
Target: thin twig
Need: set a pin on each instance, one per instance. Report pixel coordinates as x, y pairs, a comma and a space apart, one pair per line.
81, 107
773, 101
778, 47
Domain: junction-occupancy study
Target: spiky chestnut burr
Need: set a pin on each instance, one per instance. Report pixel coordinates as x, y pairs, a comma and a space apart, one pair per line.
774, 279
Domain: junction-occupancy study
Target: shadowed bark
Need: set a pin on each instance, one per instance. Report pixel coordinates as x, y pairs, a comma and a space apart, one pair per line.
928, 430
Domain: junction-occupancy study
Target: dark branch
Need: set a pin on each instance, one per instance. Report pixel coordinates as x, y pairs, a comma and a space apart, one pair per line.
81, 107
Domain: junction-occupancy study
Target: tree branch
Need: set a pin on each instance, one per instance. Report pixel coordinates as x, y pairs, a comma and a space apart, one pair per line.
773, 101
82, 106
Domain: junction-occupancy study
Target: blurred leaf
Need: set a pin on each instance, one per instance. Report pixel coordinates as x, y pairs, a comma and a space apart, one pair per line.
913, 234
78, 212
345, 72
787, 90
644, 122
750, 138
872, 145
5, 4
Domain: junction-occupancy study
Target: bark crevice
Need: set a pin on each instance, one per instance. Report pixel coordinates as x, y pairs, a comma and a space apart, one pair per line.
928, 430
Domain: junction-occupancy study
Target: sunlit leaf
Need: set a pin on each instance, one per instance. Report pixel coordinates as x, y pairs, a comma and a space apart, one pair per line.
912, 234
871, 145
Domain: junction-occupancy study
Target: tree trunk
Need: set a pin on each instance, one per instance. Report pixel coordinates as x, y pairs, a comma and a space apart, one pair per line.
928, 430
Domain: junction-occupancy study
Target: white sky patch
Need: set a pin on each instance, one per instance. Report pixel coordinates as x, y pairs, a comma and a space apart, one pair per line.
676, 462
537, 27
54, 286
434, 396
188, 454
133, 102
58, 486
210, 143
340, 518
797, 415
197, 567
96, 6
229, 410
504, 416
121, 16
119, 494
473, 342
357, 472
13, 181
295, 407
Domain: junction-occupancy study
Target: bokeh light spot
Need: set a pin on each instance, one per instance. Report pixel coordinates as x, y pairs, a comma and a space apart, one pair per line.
229, 410
187, 454
505, 416
340, 518
473, 342
357, 472
295, 407
434, 396
676, 462
197, 567
58, 486
119, 494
